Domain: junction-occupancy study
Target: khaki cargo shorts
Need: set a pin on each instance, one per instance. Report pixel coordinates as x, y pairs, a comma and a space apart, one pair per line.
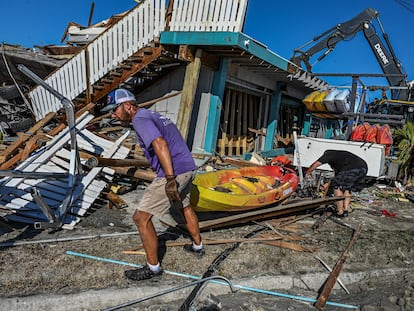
155, 201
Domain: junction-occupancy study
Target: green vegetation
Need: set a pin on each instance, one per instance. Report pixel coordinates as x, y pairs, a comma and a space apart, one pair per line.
404, 141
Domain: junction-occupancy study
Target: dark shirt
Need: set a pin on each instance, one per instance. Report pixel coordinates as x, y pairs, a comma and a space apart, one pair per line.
340, 160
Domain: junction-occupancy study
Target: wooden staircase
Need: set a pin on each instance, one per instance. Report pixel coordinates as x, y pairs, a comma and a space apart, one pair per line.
131, 48
127, 54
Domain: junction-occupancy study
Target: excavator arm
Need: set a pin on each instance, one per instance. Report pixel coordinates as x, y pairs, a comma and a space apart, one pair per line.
327, 41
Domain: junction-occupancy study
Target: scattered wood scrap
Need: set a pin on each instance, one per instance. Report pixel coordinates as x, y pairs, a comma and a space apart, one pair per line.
269, 212
289, 245
333, 276
207, 241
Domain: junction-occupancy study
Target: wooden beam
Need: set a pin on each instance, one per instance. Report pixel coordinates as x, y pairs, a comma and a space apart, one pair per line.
213, 242
116, 200
12, 148
187, 97
267, 212
333, 276
11, 162
99, 161
147, 175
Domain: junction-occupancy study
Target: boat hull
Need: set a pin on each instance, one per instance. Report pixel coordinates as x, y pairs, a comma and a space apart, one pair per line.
243, 189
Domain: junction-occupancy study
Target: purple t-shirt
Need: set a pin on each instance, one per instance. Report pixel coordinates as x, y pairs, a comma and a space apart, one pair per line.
149, 125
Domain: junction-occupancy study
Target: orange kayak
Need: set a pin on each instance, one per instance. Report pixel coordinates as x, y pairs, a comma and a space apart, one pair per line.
246, 188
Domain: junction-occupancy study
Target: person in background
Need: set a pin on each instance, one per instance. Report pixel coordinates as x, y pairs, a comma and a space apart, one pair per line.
350, 172
169, 156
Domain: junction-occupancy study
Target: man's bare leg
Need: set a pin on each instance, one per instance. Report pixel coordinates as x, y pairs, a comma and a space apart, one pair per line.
192, 224
339, 204
148, 235
347, 200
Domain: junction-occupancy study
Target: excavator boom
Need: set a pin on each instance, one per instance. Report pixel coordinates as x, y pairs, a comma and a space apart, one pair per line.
325, 43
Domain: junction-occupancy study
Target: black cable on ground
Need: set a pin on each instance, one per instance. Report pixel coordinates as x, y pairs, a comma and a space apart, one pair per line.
213, 268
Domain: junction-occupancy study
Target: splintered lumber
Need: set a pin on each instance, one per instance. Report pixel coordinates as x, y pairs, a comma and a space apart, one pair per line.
284, 223
108, 162
285, 141
106, 130
321, 220
333, 276
213, 242
237, 162
288, 245
147, 175
11, 149
330, 270
267, 212
34, 140
116, 200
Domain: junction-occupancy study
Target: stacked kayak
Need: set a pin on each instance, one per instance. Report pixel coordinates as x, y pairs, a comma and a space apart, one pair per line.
329, 100
308, 101
342, 101
243, 189
334, 100
318, 101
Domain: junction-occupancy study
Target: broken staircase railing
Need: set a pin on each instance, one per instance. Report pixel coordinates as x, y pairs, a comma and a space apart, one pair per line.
56, 219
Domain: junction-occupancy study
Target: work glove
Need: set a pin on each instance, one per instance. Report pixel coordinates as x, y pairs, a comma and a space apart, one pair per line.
171, 189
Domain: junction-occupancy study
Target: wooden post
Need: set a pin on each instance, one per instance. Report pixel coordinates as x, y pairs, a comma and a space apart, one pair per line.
99, 161
147, 175
333, 276
188, 94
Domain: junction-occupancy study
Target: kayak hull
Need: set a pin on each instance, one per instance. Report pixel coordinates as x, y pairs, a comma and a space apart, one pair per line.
247, 188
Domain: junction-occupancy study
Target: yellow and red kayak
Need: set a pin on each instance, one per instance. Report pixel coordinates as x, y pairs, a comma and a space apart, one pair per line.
246, 188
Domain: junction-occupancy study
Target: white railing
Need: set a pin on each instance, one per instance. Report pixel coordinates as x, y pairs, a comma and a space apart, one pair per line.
140, 26
134, 31
208, 15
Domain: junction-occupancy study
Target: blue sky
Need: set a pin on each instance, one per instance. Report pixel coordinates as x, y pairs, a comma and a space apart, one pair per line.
280, 25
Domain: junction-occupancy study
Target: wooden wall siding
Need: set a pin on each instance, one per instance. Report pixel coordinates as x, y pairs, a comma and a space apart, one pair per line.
208, 15
16, 193
241, 113
137, 29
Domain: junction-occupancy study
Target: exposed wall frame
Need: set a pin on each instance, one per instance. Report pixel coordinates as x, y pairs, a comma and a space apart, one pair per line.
243, 120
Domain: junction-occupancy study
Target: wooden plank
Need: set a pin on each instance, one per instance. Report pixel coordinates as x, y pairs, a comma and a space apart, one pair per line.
32, 144
18, 157
116, 200
238, 162
188, 94
13, 147
333, 276
267, 212
147, 175
213, 242
100, 161
288, 245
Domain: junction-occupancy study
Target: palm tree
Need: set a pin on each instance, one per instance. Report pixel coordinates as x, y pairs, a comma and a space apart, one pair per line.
404, 140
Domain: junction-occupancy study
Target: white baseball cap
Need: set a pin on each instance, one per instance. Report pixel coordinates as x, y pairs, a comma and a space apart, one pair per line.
117, 97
